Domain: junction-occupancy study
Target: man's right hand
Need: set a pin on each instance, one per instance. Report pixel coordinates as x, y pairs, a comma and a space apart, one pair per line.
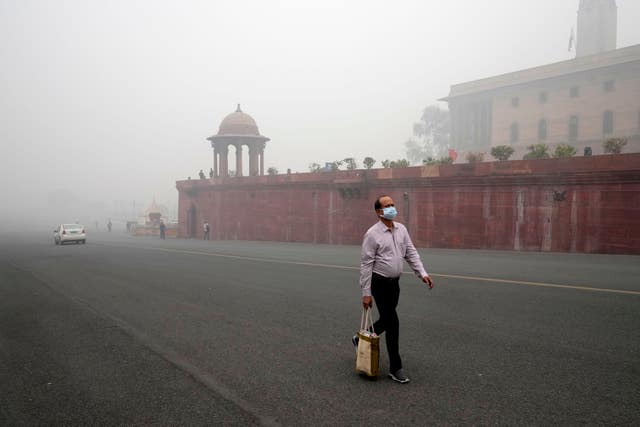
367, 302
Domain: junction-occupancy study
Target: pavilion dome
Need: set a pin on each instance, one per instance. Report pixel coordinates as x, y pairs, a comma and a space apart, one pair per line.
238, 123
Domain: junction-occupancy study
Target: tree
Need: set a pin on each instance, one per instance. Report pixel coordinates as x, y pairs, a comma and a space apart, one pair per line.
475, 157
614, 145
314, 168
502, 152
386, 163
564, 150
351, 163
368, 162
536, 152
430, 135
272, 171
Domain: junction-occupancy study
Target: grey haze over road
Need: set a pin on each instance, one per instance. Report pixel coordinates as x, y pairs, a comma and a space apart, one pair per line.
137, 330
112, 102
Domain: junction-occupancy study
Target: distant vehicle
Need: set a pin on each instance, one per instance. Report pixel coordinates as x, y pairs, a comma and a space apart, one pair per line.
69, 233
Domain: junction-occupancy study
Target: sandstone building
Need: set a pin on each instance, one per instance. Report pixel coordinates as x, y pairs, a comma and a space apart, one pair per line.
582, 101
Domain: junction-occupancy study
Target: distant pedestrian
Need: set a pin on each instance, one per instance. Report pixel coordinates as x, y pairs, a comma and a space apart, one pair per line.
109, 225
162, 229
201, 174
384, 247
207, 230
210, 172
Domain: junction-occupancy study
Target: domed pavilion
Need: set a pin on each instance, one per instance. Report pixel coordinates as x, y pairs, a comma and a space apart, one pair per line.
238, 129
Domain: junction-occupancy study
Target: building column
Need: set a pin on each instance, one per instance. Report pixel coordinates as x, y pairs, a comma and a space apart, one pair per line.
238, 159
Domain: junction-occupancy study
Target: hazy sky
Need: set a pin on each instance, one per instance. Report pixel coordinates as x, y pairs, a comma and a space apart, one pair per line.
115, 99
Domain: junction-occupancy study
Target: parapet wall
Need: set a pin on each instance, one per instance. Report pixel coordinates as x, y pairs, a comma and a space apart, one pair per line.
580, 204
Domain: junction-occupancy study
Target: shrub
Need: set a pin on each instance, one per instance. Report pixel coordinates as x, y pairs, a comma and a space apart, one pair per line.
614, 145
335, 165
502, 152
314, 168
564, 150
351, 163
369, 162
475, 157
443, 161
537, 151
400, 163
446, 160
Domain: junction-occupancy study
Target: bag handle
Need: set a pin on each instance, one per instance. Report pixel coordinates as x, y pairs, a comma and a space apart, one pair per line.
365, 320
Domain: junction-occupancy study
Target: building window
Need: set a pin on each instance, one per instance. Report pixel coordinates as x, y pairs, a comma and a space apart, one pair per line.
542, 130
609, 86
515, 101
515, 132
574, 92
607, 122
542, 97
573, 129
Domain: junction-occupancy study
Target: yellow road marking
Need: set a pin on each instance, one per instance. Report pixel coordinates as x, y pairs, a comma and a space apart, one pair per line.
344, 267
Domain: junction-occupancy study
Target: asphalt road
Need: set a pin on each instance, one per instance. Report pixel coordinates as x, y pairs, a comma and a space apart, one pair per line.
127, 330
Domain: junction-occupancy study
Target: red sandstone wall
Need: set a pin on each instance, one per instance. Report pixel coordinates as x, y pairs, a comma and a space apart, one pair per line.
491, 205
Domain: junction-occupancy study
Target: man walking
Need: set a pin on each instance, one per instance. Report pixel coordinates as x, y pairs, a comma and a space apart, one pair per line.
384, 247
162, 229
207, 230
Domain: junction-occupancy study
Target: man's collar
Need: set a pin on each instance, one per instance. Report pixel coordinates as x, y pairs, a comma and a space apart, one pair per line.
384, 226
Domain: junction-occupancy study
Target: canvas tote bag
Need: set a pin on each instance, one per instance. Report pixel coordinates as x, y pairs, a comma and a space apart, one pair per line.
368, 346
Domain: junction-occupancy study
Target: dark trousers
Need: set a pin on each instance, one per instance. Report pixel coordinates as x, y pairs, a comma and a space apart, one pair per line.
386, 293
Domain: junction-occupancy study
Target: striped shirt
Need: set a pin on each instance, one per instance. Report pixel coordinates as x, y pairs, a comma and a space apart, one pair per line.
383, 250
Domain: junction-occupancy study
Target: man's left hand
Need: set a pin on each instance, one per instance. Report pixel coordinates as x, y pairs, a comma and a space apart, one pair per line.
427, 280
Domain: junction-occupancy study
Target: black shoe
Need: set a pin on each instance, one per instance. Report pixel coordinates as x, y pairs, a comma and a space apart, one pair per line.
355, 339
399, 376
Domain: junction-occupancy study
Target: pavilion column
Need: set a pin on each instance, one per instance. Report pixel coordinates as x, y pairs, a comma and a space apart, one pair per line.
238, 159
224, 161
253, 161
216, 157
262, 160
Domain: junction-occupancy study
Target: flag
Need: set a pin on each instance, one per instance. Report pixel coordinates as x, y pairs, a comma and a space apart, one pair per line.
571, 39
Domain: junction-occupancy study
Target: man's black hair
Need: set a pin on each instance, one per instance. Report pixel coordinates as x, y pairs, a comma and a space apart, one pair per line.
377, 205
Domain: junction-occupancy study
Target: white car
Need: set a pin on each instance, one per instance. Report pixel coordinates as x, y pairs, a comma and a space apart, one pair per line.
69, 233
